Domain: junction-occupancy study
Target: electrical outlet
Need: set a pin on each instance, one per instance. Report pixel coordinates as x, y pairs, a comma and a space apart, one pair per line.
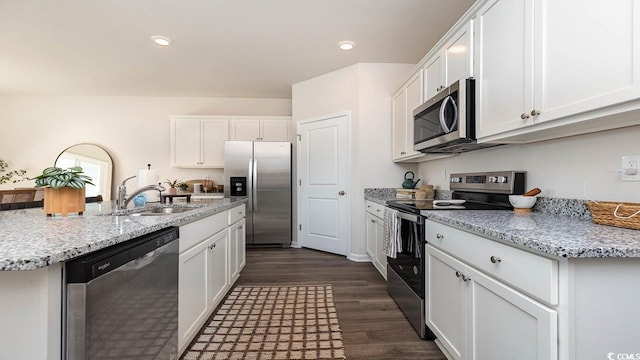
630, 162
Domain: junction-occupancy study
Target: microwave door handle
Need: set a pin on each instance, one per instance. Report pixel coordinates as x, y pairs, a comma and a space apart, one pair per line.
443, 123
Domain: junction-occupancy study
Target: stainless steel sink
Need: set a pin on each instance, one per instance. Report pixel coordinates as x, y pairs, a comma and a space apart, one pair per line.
159, 211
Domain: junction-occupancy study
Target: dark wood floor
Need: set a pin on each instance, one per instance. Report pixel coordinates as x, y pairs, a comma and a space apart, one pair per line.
373, 327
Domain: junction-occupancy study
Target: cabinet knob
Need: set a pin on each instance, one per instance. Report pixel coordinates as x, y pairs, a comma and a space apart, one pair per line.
403, 153
212, 246
439, 236
341, 193
535, 112
524, 116
458, 274
465, 278
373, 221
495, 259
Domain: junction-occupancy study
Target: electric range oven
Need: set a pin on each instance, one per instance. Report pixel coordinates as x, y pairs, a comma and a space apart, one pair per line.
406, 271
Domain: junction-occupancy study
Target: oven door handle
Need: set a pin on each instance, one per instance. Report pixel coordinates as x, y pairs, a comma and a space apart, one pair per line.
411, 217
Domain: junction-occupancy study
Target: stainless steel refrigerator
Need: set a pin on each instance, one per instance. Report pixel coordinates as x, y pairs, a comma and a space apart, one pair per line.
261, 171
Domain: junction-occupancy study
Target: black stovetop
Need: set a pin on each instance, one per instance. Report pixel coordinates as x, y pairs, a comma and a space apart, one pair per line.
472, 201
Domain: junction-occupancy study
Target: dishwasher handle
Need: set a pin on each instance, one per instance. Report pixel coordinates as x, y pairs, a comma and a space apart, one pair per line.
96, 264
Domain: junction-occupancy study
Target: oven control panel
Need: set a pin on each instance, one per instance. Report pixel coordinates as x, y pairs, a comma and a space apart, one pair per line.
504, 182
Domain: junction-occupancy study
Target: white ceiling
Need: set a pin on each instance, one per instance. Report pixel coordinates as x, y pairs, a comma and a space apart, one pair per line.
221, 48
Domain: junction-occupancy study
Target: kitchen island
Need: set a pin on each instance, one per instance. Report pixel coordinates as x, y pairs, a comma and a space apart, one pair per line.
33, 249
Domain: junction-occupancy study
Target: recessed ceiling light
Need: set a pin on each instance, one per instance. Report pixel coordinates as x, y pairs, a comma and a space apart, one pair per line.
346, 45
161, 40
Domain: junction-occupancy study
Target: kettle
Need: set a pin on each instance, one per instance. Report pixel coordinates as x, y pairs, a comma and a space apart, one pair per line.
408, 180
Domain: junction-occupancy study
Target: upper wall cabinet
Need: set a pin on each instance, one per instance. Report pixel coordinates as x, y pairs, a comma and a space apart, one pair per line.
547, 69
260, 129
198, 142
403, 102
450, 63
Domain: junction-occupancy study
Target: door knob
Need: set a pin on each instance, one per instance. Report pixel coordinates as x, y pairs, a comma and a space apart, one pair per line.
341, 192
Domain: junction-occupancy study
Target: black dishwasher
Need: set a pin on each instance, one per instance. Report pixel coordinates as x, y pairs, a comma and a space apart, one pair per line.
122, 301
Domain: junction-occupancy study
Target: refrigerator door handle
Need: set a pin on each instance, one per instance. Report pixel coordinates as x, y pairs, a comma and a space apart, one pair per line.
254, 184
250, 185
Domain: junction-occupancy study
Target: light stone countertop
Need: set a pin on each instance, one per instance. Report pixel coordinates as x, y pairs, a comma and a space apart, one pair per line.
30, 240
547, 232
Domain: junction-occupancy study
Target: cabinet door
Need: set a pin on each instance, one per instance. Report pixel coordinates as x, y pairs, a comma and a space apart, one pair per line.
241, 236
236, 250
381, 257
414, 99
399, 116
245, 129
192, 292
371, 236
185, 141
274, 129
591, 63
214, 134
503, 66
508, 325
217, 269
457, 55
433, 81
445, 301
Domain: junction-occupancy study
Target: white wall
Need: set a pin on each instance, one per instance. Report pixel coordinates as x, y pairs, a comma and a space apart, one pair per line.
558, 167
134, 130
365, 90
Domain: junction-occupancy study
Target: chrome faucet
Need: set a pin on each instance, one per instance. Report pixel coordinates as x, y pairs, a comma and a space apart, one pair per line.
123, 200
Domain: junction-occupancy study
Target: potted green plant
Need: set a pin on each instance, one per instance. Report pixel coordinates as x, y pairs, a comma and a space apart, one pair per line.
10, 176
172, 186
64, 190
183, 186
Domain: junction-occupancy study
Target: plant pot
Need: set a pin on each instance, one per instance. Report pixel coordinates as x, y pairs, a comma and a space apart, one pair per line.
172, 191
63, 201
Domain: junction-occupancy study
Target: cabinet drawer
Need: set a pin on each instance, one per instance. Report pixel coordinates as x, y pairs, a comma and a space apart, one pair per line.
531, 273
375, 209
194, 232
236, 214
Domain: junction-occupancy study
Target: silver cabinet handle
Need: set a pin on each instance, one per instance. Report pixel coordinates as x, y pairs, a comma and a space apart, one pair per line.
465, 278
373, 221
341, 192
495, 259
403, 153
535, 112
439, 236
212, 246
524, 116
458, 274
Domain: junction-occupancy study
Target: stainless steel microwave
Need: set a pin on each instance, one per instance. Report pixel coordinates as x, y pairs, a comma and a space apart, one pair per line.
446, 123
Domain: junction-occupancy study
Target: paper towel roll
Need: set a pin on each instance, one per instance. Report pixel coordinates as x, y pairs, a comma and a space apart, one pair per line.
149, 177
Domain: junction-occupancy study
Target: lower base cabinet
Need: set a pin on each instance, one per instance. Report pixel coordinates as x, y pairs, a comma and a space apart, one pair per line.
212, 253
374, 229
477, 317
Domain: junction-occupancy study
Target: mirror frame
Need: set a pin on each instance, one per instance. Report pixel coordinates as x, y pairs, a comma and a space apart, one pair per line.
107, 194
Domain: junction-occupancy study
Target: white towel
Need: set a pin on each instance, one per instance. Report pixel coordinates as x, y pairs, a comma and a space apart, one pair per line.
391, 241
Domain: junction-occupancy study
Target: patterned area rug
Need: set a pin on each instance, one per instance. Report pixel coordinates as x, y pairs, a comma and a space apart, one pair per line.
273, 323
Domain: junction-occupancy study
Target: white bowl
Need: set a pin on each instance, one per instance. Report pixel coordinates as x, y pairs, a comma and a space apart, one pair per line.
522, 202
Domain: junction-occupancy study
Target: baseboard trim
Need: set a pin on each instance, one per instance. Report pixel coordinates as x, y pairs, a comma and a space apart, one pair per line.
359, 257
294, 244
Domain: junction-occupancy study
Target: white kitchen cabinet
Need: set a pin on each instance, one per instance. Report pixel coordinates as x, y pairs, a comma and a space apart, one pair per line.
198, 142
192, 292
404, 102
552, 69
217, 269
445, 303
260, 129
205, 267
477, 317
450, 63
374, 236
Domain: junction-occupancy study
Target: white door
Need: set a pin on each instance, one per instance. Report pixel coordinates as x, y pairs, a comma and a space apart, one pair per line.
323, 200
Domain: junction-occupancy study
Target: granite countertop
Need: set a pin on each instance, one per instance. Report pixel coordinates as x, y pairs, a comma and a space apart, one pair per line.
559, 227
31, 240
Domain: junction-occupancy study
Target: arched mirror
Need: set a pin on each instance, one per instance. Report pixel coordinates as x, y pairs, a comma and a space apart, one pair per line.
95, 162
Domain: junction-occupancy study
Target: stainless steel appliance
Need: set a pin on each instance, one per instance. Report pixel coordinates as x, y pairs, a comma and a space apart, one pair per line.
446, 123
406, 272
122, 301
261, 171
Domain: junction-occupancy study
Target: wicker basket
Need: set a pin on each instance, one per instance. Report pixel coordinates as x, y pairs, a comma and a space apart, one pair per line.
602, 213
